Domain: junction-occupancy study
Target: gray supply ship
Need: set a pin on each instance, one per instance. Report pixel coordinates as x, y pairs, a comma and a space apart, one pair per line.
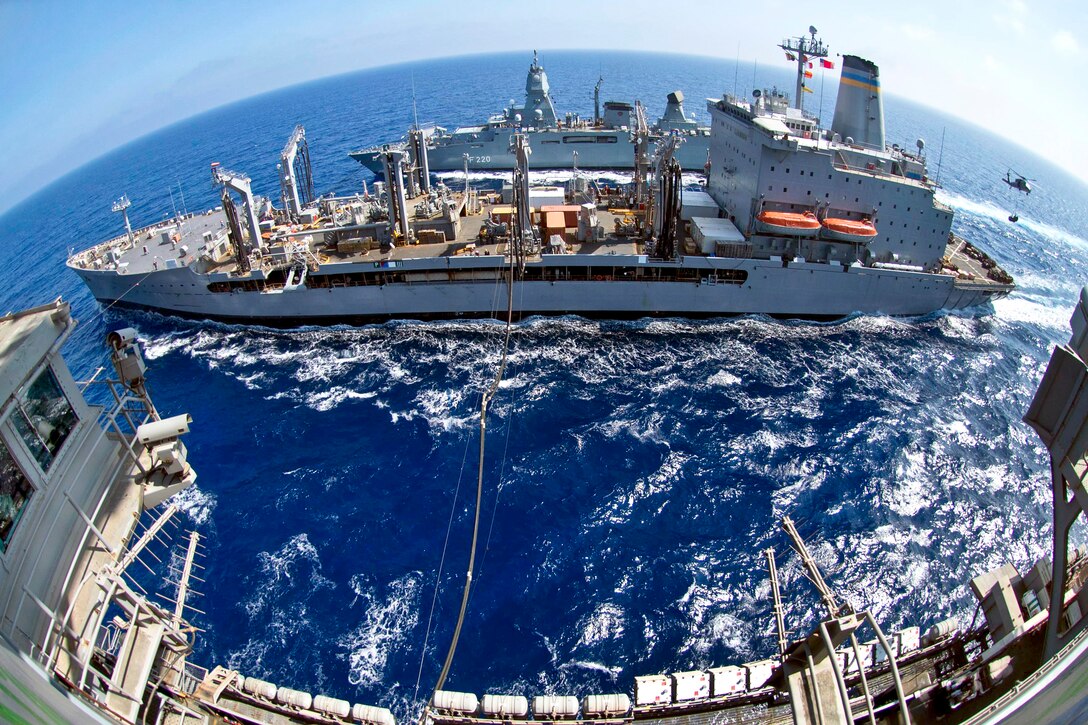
795, 221
558, 143
87, 496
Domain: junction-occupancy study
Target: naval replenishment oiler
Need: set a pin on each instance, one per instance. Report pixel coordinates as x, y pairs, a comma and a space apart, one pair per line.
796, 221
558, 143
87, 495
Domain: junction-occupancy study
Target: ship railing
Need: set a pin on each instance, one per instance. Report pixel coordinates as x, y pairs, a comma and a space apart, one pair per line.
121, 419
121, 240
95, 683
122, 412
876, 172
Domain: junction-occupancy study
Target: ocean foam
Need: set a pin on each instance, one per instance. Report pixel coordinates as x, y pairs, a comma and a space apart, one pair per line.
605, 623
195, 503
388, 621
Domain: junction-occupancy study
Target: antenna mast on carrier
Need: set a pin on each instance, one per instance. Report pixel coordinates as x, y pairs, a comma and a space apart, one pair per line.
803, 50
122, 206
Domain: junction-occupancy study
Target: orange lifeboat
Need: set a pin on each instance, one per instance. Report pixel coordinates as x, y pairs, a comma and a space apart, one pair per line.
848, 230
788, 223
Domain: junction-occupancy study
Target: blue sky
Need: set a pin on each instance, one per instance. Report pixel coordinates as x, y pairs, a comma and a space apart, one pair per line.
80, 78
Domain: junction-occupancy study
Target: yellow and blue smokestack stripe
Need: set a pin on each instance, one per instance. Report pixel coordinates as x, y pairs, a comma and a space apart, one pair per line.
859, 80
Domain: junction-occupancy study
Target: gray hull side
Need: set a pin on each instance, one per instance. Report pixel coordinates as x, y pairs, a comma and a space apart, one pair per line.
494, 153
801, 290
1054, 694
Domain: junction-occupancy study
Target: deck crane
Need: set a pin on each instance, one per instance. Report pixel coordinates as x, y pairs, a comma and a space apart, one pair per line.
663, 216
525, 238
296, 177
641, 139
232, 180
394, 159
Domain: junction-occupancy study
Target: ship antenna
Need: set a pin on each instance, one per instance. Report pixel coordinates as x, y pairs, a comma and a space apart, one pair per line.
415, 114
181, 192
597, 99
940, 156
823, 78
736, 70
812, 571
776, 598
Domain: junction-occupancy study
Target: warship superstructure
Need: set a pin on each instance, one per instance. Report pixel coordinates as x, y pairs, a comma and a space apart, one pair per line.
88, 493
795, 221
603, 142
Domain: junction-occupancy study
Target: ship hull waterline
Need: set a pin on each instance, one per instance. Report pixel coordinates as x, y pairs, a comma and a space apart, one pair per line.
801, 291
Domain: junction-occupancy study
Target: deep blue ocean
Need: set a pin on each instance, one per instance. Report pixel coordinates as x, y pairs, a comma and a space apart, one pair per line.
635, 470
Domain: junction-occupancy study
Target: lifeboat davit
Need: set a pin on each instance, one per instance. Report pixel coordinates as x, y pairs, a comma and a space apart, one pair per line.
788, 223
848, 230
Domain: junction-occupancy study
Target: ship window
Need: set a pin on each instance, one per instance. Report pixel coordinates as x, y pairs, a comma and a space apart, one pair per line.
772, 168
15, 491
44, 418
784, 190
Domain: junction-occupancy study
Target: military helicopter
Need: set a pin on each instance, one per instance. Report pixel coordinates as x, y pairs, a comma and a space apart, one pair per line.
1020, 183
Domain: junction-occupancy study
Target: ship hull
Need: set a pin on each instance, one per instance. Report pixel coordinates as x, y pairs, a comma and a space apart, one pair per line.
489, 150
797, 290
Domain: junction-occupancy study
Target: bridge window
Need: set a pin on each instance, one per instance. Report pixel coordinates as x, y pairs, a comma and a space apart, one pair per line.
44, 418
15, 491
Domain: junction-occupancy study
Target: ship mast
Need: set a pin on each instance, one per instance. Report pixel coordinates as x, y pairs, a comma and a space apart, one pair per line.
122, 206
803, 50
597, 101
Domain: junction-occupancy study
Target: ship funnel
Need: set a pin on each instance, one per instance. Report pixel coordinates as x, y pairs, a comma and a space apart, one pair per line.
859, 110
